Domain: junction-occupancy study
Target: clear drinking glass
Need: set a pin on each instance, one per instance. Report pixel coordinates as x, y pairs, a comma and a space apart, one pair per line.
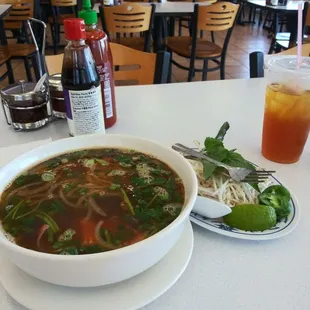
287, 109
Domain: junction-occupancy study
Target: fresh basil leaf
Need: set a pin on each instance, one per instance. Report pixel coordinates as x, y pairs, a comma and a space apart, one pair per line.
212, 143
222, 132
236, 160
208, 169
26, 179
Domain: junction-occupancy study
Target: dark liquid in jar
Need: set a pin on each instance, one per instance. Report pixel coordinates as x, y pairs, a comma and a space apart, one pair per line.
29, 115
58, 100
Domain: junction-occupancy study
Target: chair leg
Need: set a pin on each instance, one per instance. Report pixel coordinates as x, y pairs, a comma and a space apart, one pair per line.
10, 72
180, 27
57, 38
191, 72
222, 69
201, 34
272, 46
170, 69
212, 37
266, 19
260, 20
27, 68
254, 15
54, 39
205, 69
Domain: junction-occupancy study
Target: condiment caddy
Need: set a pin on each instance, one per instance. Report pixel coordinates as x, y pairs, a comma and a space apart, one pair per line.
83, 93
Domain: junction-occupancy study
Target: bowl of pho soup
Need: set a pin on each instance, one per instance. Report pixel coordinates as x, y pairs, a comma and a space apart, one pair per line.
93, 210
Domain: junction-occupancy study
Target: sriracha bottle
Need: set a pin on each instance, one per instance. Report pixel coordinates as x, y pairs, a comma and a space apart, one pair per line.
97, 40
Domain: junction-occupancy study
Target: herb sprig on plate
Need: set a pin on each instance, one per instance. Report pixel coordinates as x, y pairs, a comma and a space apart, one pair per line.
214, 147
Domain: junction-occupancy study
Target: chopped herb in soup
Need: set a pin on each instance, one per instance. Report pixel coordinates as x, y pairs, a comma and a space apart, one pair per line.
91, 201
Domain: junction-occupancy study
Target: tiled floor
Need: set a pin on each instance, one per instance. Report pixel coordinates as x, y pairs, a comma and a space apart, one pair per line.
245, 39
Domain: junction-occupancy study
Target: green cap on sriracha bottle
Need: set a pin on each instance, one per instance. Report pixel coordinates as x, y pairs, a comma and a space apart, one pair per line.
88, 14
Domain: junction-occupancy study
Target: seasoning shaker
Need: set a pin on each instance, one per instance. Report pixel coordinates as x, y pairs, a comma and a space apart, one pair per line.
25, 109
57, 97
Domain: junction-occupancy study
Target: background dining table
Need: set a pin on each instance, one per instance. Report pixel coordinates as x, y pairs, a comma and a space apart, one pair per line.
289, 10
172, 10
223, 273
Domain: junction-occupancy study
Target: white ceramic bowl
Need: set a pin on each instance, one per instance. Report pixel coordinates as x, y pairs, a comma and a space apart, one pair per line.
109, 267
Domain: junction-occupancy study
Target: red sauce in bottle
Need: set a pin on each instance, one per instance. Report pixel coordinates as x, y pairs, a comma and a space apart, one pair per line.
97, 40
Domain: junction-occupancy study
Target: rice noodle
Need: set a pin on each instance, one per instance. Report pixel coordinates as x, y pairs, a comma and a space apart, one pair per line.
72, 191
12, 193
66, 201
96, 207
223, 189
91, 178
80, 201
101, 242
28, 192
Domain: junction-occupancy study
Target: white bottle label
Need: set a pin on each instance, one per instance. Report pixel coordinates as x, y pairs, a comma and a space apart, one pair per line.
105, 79
85, 111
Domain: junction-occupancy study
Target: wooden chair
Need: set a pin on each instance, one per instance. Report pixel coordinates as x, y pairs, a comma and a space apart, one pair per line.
216, 17
57, 18
185, 22
17, 18
54, 63
257, 59
21, 10
127, 19
5, 59
282, 40
141, 68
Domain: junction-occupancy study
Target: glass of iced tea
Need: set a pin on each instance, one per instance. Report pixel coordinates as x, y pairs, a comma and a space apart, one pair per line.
287, 109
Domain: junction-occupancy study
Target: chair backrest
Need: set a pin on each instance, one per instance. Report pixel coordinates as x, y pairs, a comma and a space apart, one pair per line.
21, 10
63, 3
145, 68
127, 18
217, 17
257, 59
54, 63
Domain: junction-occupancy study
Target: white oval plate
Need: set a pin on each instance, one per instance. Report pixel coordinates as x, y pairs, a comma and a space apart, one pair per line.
127, 295
280, 230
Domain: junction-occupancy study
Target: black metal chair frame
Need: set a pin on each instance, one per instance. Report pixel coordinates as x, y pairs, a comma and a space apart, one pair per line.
55, 27
162, 66
219, 60
256, 64
35, 56
147, 34
9, 71
275, 46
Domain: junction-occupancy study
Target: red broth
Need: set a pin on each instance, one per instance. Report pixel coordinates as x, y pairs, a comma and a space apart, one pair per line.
91, 201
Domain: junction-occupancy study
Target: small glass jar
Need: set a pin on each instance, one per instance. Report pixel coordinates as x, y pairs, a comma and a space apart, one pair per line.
57, 96
25, 109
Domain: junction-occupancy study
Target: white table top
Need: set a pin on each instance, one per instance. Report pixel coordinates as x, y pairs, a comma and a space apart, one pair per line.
291, 5
223, 273
170, 7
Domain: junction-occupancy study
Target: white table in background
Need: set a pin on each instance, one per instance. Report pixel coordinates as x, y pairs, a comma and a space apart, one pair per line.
291, 5
170, 8
223, 273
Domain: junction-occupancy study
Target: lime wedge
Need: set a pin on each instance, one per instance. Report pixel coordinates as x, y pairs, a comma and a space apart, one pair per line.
251, 217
